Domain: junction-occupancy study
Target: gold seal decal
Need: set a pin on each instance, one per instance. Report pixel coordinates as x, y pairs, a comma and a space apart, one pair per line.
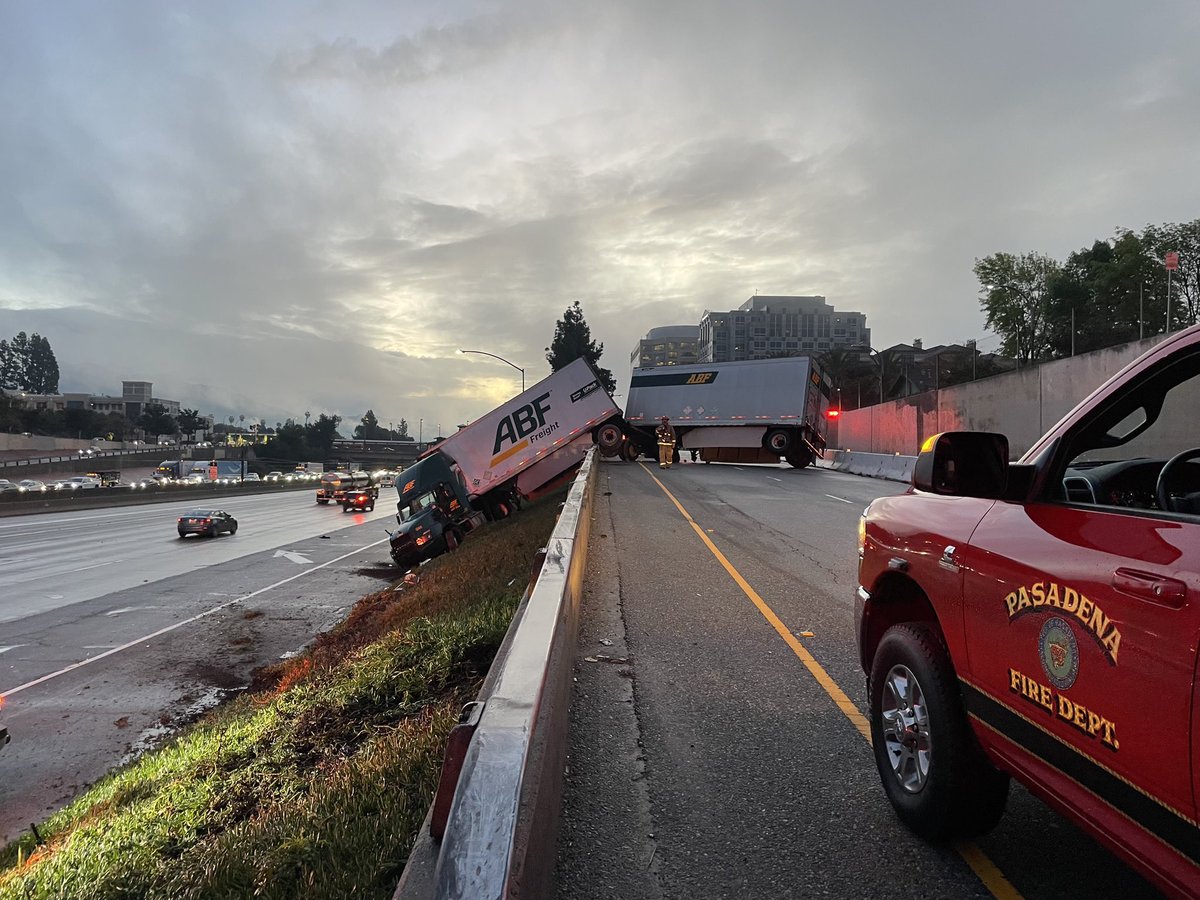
1043, 596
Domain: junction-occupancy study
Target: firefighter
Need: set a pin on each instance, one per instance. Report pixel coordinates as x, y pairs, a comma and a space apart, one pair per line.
666, 443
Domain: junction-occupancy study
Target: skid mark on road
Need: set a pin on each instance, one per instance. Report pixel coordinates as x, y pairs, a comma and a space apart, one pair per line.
985, 870
189, 621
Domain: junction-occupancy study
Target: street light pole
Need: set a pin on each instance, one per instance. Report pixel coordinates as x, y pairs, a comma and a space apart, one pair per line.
878, 362
503, 360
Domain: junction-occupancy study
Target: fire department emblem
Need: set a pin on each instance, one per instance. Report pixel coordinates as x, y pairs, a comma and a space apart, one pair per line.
1059, 653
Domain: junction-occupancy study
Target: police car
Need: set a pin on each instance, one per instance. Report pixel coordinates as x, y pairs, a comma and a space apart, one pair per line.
1040, 620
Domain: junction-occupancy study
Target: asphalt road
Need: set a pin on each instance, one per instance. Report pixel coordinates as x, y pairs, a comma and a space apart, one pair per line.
707, 760
113, 630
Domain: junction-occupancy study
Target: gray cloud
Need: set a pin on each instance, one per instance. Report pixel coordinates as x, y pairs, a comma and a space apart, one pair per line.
337, 198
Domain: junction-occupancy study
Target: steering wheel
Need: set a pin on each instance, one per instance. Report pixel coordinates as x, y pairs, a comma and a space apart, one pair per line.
1183, 504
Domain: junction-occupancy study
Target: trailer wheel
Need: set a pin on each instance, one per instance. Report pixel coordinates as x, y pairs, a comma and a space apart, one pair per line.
608, 438
799, 457
629, 451
778, 441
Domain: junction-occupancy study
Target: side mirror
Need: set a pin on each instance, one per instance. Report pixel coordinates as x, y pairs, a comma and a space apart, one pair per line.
963, 464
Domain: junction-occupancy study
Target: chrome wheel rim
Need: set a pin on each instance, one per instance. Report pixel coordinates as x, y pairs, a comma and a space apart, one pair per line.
906, 728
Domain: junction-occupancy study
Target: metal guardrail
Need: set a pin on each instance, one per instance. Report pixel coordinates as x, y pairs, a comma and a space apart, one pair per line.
503, 823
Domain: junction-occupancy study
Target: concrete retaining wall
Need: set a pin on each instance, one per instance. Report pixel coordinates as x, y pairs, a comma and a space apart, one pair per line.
1022, 405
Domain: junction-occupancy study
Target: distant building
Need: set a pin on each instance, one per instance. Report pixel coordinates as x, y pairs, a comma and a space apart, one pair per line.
670, 345
135, 397
768, 326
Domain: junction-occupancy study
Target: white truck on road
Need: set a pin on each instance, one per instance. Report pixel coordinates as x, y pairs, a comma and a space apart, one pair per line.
750, 411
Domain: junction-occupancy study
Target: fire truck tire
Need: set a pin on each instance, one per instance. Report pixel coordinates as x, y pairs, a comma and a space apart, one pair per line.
933, 771
778, 441
608, 438
451, 540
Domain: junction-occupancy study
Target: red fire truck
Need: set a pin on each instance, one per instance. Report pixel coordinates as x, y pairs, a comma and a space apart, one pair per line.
1041, 619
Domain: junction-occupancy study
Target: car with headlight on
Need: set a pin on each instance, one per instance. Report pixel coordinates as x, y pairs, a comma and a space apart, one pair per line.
206, 522
1040, 619
31, 486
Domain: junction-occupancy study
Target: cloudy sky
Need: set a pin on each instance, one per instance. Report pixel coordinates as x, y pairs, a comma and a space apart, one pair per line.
272, 207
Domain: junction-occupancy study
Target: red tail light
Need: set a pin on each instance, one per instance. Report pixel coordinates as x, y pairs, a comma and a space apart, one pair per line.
832, 413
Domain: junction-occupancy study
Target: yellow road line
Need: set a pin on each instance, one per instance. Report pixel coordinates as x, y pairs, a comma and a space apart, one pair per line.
985, 870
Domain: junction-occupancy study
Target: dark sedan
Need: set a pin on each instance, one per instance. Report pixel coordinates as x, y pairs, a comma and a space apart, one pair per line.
209, 522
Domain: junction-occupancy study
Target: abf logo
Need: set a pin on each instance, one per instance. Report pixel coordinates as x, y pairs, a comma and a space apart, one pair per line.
408, 487
701, 378
522, 422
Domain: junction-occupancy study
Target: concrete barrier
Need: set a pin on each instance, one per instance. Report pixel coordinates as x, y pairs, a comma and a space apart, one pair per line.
503, 824
893, 467
101, 498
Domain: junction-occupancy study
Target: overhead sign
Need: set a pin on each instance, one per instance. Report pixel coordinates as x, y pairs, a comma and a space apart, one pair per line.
1172, 260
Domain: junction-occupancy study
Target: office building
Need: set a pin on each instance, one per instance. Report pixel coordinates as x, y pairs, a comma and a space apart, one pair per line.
670, 345
767, 326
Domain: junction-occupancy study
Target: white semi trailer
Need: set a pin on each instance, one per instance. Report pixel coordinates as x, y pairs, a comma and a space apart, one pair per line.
514, 453
748, 411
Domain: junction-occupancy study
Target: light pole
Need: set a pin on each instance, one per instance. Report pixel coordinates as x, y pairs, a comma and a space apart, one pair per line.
502, 359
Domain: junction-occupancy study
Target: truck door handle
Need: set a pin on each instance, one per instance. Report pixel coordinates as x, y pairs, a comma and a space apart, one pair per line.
1146, 586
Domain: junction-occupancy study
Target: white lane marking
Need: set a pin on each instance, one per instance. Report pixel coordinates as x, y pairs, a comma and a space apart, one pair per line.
299, 558
97, 565
773, 478
843, 499
127, 609
195, 618
10, 647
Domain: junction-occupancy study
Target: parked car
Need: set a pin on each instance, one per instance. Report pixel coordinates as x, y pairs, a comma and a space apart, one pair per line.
206, 522
31, 485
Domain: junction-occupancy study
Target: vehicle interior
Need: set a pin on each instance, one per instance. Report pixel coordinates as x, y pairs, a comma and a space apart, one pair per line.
1141, 450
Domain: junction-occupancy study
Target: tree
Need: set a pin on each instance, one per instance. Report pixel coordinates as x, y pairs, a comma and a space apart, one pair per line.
402, 430
156, 420
1183, 239
1016, 298
41, 371
16, 362
370, 430
188, 422
572, 340
320, 435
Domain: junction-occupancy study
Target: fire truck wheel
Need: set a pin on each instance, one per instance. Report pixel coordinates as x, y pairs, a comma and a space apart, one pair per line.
451, 540
933, 771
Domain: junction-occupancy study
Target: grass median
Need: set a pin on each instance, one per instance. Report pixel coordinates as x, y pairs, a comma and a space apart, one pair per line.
315, 783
